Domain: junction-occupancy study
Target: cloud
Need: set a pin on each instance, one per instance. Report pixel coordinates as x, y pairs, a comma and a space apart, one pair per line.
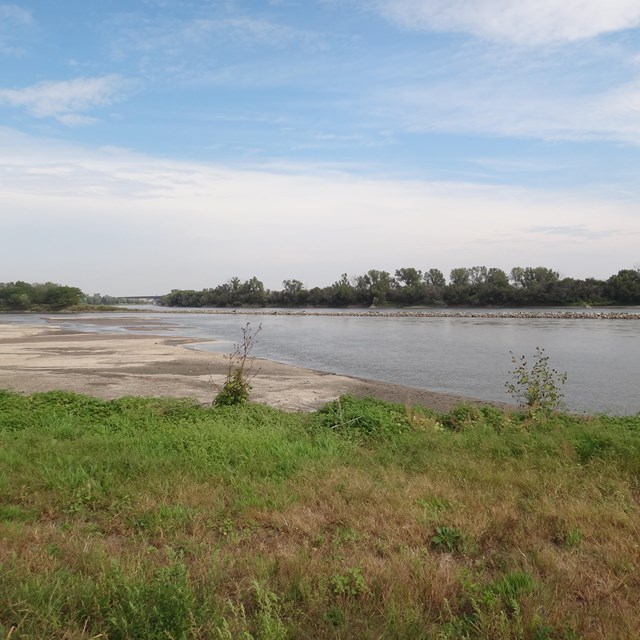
14, 14
12, 18
521, 22
65, 100
117, 221
178, 45
575, 232
508, 105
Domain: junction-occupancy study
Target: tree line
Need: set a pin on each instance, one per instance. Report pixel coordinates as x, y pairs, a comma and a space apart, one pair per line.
466, 286
22, 296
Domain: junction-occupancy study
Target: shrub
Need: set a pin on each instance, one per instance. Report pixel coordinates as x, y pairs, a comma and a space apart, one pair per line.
536, 386
364, 416
461, 417
237, 385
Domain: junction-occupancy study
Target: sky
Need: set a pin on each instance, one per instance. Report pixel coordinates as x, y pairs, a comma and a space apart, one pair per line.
150, 145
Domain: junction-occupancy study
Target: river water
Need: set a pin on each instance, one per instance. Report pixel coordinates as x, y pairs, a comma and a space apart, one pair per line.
468, 356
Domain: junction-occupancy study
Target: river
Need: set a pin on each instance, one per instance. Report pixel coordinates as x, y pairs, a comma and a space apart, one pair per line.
461, 355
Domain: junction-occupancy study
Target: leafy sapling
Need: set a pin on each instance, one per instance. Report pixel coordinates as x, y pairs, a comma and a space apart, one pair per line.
537, 386
240, 371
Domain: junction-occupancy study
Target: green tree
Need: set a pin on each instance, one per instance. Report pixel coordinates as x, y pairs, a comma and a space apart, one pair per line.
373, 287
341, 293
251, 292
460, 277
534, 285
409, 286
293, 293
435, 278
624, 287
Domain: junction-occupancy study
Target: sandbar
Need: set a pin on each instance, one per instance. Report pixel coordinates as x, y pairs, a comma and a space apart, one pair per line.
112, 365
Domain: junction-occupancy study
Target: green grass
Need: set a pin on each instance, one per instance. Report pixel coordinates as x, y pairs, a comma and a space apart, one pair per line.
158, 518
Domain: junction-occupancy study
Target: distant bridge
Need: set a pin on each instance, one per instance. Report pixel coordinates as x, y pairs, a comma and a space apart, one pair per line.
139, 299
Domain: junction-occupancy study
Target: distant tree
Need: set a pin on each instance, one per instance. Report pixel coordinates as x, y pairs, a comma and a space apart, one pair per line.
250, 292
624, 287
477, 285
478, 275
434, 278
293, 293
21, 296
409, 286
341, 293
318, 297
530, 277
534, 285
372, 288
460, 277
496, 289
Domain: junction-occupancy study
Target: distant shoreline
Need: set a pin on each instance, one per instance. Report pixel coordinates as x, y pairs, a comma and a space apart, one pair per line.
377, 313
595, 313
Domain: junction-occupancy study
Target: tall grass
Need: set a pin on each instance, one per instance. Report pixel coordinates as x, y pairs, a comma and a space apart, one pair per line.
150, 518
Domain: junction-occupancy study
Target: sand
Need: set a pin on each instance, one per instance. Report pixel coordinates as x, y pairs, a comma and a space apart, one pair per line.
36, 358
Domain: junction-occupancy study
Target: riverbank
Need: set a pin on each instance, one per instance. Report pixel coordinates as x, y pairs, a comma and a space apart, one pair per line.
36, 358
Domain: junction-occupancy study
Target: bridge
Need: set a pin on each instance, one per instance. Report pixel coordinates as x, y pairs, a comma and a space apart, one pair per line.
138, 299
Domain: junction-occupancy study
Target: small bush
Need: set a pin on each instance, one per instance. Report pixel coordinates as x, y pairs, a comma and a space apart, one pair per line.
536, 387
461, 417
364, 416
237, 385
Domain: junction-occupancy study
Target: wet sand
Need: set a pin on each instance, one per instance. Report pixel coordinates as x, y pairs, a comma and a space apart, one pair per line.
36, 358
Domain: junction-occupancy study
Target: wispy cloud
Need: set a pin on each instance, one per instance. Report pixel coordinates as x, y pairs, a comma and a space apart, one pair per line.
520, 22
12, 17
66, 100
576, 232
510, 105
183, 44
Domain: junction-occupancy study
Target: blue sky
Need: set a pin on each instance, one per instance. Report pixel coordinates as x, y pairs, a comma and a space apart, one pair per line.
147, 145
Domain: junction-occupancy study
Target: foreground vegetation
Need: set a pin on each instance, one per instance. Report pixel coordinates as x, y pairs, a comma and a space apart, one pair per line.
150, 519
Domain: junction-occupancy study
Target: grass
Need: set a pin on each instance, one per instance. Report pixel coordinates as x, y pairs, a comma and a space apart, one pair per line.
153, 518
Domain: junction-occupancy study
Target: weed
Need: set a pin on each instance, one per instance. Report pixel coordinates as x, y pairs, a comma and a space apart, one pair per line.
433, 506
237, 385
536, 386
334, 616
513, 585
573, 538
225, 527
447, 538
345, 534
269, 615
160, 608
267, 619
349, 584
